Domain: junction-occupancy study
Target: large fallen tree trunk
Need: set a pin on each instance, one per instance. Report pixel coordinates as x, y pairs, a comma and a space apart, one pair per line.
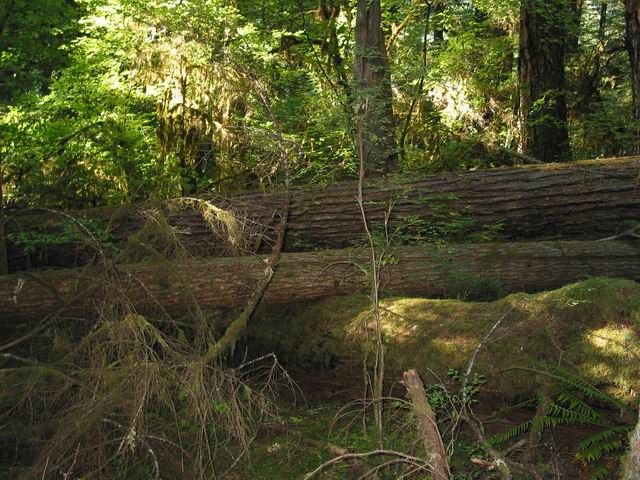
580, 200
173, 288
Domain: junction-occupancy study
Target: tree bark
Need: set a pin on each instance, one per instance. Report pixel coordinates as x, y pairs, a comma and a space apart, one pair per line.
632, 40
543, 108
428, 426
173, 288
574, 30
580, 200
4, 262
631, 462
439, 8
590, 78
373, 103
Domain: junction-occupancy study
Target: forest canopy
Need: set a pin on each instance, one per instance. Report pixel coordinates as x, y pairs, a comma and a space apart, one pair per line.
111, 101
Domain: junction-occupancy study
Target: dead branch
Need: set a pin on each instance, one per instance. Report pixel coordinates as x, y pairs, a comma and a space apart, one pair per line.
428, 426
631, 463
631, 232
408, 459
239, 325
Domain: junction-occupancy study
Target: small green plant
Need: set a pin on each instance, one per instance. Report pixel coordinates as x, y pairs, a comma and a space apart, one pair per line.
574, 401
60, 233
443, 225
440, 396
474, 287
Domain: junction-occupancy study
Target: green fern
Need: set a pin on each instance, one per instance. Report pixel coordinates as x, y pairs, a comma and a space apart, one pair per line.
573, 382
601, 471
504, 437
577, 402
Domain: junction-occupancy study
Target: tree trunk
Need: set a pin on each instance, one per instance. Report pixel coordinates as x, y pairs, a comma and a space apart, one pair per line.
581, 200
632, 37
590, 78
373, 102
467, 269
543, 108
574, 30
4, 263
439, 8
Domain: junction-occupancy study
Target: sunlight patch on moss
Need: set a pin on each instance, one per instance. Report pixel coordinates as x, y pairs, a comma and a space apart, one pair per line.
432, 334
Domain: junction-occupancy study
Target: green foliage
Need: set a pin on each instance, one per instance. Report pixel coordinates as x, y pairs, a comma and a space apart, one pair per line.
34, 40
60, 233
575, 401
465, 391
91, 139
108, 101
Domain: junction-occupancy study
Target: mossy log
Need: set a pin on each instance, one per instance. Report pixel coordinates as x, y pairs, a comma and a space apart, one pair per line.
571, 201
478, 270
591, 327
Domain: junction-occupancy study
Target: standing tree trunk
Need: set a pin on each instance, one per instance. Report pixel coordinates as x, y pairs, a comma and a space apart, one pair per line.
438, 29
632, 20
4, 264
373, 96
590, 79
573, 35
543, 108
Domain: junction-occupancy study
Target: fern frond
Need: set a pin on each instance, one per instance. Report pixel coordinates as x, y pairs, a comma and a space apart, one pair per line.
613, 431
600, 472
596, 452
510, 434
576, 404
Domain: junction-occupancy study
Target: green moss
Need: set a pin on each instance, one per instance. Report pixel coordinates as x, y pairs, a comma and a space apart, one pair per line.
592, 325
301, 447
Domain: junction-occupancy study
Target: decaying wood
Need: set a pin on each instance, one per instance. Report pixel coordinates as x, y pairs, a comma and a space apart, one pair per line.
427, 424
631, 463
580, 200
217, 283
4, 261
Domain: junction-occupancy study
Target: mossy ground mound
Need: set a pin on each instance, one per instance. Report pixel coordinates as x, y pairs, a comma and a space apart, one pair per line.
593, 325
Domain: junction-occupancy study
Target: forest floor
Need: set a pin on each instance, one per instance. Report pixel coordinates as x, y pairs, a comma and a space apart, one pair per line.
579, 343
590, 329
592, 325
309, 435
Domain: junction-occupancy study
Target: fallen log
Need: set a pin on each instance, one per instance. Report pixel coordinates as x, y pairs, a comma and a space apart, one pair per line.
571, 201
476, 270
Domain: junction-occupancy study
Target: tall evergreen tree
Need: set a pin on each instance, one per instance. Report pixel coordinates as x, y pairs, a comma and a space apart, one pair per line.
373, 105
543, 107
632, 21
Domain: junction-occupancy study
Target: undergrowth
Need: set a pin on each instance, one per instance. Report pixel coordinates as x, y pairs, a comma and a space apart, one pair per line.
121, 396
573, 401
126, 400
